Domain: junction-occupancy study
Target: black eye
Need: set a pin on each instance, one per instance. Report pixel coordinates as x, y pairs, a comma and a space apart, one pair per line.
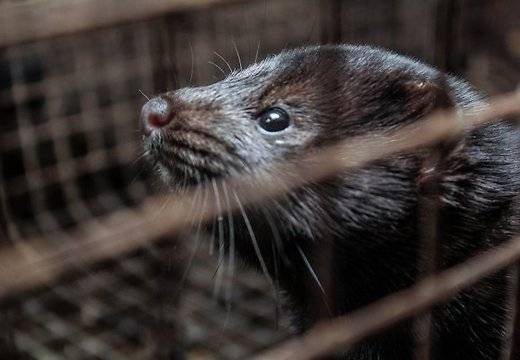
274, 120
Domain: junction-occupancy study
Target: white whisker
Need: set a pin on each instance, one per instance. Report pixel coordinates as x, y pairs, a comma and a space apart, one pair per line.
192, 64
220, 224
238, 55
253, 240
276, 235
314, 276
257, 51
224, 60
276, 248
218, 67
184, 275
142, 93
231, 255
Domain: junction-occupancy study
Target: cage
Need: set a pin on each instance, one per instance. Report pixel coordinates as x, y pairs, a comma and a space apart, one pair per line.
73, 77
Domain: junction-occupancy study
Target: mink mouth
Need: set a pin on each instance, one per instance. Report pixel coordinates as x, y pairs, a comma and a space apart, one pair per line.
182, 165
188, 162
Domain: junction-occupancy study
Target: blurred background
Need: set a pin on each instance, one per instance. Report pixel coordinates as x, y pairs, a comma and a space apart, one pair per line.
73, 77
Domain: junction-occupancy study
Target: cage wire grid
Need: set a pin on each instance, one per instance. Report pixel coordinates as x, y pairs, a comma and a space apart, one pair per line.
68, 144
69, 141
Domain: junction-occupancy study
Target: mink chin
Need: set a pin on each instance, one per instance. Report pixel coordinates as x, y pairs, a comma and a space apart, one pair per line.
358, 230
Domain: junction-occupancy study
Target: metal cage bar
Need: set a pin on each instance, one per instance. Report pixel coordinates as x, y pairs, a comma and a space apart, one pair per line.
68, 81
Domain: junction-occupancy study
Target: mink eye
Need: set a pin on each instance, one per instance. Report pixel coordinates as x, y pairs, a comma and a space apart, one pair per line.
274, 120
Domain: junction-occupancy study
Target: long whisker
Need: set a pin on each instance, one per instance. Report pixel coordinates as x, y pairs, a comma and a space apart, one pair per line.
231, 255
183, 188
167, 201
315, 277
139, 157
257, 51
277, 248
166, 41
277, 284
220, 224
276, 236
218, 276
238, 55
212, 239
142, 93
218, 67
193, 210
253, 239
213, 227
216, 273
224, 60
199, 224
142, 167
192, 63
194, 251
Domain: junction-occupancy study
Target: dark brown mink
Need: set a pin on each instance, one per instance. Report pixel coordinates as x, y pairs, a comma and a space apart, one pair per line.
359, 231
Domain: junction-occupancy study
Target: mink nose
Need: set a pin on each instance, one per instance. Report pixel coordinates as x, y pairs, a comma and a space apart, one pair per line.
155, 115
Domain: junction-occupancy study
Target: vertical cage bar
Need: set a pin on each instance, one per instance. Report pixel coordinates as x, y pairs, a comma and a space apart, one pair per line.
429, 232
330, 19
8, 349
446, 34
166, 329
7, 310
4, 232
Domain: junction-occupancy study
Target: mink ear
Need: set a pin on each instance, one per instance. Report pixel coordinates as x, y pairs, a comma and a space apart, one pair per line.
426, 96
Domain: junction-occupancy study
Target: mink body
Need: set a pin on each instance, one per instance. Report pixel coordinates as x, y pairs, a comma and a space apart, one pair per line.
360, 229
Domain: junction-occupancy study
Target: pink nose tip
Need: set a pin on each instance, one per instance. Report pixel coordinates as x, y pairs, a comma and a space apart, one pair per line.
155, 115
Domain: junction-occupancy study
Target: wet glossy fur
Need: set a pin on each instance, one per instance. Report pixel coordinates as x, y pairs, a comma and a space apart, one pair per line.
358, 230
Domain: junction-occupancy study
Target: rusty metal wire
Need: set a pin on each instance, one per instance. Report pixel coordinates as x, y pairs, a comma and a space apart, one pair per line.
69, 138
341, 333
43, 19
38, 262
39, 266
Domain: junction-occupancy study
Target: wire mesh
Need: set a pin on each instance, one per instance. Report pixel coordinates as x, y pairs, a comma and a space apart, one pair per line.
69, 135
108, 313
69, 141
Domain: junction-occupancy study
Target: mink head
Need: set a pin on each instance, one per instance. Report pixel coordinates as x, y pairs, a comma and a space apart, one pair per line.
281, 108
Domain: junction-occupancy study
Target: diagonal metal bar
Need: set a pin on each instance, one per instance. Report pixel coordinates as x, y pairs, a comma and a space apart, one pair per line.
37, 262
343, 332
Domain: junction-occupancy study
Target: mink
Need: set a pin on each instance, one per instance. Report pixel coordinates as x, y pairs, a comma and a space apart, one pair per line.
334, 246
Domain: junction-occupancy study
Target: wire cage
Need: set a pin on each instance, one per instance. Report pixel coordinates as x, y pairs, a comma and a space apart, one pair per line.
73, 76
70, 153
